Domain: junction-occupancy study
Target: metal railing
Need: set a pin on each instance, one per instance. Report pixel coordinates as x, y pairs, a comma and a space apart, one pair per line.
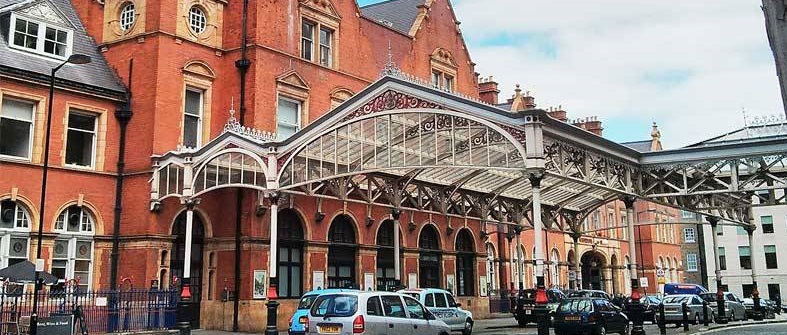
101, 311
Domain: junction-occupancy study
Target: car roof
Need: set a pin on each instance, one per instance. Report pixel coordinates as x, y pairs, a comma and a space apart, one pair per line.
329, 290
424, 290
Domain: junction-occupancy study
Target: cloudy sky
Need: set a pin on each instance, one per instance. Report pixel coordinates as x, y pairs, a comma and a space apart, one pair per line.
690, 66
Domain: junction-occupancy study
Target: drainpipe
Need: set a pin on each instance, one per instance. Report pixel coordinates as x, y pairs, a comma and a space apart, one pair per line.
243, 66
123, 115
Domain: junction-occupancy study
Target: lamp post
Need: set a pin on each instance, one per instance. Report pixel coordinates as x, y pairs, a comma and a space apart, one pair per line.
73, 59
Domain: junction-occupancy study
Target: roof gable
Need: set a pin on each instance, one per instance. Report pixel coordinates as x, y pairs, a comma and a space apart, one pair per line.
42, 10
399, 15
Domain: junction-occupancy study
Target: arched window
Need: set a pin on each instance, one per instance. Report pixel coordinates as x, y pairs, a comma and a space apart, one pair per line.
14, 233
72, 257
290, 233
627, 276
465, 263
519, 267
341, 253
386, 271
429, 258
491, 269
553, 267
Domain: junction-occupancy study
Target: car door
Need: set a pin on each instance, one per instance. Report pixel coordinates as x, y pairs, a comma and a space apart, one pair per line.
417, 316
454, 319
617, 319
395, 315
375, 319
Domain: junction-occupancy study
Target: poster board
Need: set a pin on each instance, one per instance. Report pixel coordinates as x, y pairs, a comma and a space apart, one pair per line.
450, 283
258, 289
318, 280
368, 281
412, 281
56, 325
483, 286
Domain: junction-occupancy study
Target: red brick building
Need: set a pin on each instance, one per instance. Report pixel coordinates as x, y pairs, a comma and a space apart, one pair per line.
184, 65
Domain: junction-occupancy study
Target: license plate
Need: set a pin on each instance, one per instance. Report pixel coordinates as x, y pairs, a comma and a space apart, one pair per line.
528, 312
571, 318
332, 329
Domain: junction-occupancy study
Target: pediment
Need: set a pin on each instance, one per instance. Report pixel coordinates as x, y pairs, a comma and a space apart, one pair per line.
200, 69
44, 11
292, 78
325, 7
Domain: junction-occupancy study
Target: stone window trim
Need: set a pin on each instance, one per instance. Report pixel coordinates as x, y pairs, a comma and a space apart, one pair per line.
113, 24
444, 69
39, 115
339, 95
322, 15
40, 36
213, 13
100, 140
197, 19
85, 205
689, 235
194, 78
26, 203
33, 121
292, 86
127, 16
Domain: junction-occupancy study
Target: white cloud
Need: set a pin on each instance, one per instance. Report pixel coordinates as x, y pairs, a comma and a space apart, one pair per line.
606, 50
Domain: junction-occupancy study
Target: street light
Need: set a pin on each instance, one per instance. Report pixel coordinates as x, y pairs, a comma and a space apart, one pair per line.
73, 59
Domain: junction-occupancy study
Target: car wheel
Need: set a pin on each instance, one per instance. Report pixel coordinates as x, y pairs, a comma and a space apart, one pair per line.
601, 330
521, 322
468, 327
626, 330
732, 316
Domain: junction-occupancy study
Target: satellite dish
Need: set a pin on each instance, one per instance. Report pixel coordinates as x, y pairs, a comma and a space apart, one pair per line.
7, 216
73, 220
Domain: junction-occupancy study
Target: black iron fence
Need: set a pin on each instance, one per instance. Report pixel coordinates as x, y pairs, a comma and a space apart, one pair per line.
96, 311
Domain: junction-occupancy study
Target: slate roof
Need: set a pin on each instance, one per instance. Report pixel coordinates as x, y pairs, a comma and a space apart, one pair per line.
770, 129
641, 146
399, 15
97, 76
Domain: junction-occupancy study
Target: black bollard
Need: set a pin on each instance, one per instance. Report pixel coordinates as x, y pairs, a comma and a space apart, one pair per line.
662, 320
721, 317
685, 309
705, 312
273, 307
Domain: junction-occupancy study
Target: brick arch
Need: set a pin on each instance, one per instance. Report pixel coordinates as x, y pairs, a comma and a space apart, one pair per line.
31, 209
98, 220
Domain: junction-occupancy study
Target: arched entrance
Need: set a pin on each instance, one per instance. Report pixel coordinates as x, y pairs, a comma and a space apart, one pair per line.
465, 263
429, 257
592, 270
386, 269
290, 234
341, 253
179, 253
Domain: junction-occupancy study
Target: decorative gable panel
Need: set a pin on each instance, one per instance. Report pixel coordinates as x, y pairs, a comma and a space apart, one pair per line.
43, 11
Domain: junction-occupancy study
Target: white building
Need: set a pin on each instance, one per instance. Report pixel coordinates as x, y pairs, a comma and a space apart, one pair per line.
769, 252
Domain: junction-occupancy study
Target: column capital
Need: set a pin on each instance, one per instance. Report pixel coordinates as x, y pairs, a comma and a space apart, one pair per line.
535, 176
628, 200
713, 220
396, 213
273, 197
750, 228
190, 202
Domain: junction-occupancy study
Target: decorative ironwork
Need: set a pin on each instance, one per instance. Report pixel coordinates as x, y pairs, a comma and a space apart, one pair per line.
234, 126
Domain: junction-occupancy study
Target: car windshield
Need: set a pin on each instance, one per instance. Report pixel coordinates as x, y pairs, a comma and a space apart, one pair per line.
675, 300
335, 305
574, 306
307, 301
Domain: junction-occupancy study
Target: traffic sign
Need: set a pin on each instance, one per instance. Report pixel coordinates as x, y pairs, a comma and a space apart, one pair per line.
660, 272
572, 275
643, 282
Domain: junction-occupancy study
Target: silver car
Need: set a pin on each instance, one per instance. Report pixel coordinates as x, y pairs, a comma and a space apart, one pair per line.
673, 308
376, 313
443, 305
733, 306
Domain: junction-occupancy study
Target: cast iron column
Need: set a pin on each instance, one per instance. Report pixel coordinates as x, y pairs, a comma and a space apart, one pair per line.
395, 214
577, 270
720, 317
541, 309
636, 308
755, 293
185, 304
272, 304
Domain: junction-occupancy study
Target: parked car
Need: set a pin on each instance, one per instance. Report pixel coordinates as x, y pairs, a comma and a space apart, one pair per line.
733, 306
675, 288
673, 309
591, 294
298, 319
773, 308
651, 303
589, 315
767, 306
371, 313
525, 303
443, 305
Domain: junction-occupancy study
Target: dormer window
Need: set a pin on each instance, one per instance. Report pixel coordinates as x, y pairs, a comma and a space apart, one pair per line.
40, 37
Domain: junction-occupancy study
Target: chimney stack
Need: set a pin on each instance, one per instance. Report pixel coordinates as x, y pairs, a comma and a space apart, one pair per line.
487, 90
591, 124
558, 113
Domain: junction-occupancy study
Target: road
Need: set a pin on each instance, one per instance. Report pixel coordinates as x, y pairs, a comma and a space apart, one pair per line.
769, 329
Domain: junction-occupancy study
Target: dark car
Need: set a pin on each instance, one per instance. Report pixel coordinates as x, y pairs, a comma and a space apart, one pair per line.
590, 294
525, 303
651, 304
589, 316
